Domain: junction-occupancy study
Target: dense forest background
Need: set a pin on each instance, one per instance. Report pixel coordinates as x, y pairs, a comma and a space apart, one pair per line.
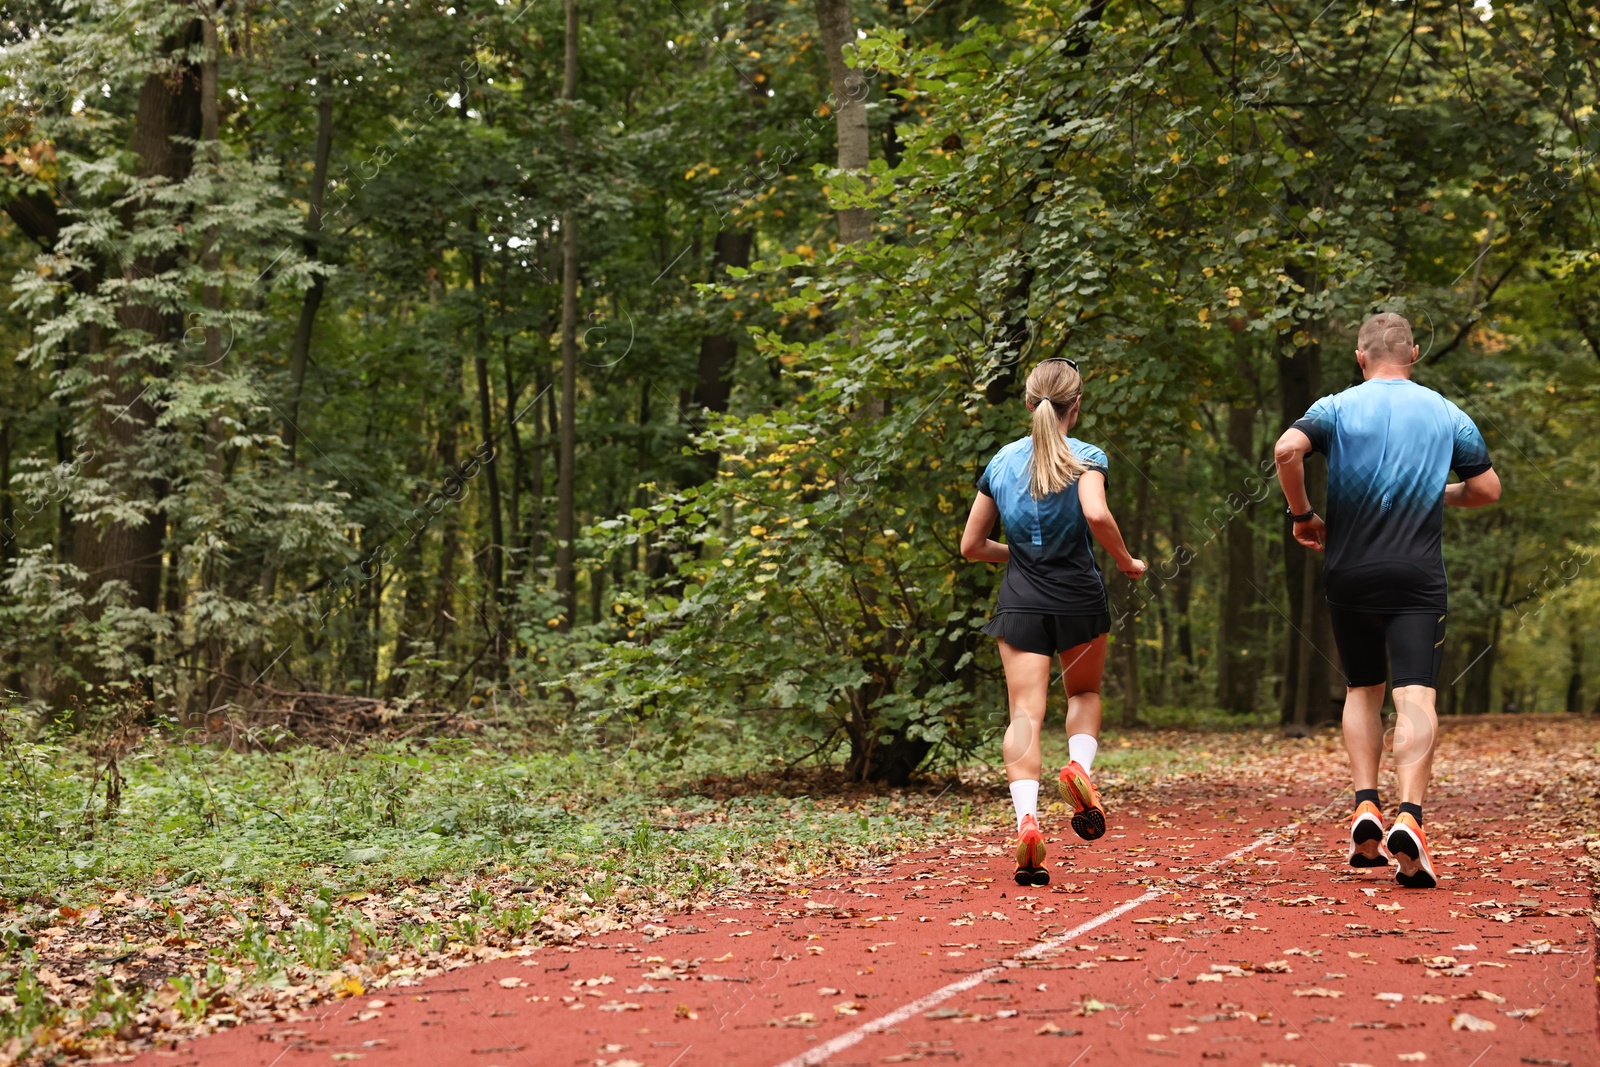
598, 366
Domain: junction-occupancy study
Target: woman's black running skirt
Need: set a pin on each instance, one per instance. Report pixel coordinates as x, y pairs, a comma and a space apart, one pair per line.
1047, 635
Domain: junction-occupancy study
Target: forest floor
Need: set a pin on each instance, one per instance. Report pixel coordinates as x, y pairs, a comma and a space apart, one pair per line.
1216, 921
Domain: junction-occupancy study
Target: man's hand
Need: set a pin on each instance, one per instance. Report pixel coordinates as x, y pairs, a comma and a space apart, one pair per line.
1134, 569
1312, 533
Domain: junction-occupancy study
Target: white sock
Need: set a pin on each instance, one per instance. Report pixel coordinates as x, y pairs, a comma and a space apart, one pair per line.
1025, 798
1081, 749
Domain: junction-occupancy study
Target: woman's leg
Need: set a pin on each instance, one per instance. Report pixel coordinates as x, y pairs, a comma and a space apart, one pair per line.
1027, 687
1081, 668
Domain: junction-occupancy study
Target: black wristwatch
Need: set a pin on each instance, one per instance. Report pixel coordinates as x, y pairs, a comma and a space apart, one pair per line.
1307, 517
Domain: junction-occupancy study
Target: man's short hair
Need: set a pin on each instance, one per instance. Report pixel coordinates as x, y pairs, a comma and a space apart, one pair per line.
1387, 336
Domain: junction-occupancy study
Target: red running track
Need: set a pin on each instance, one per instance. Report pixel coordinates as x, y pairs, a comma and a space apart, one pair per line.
1209, 928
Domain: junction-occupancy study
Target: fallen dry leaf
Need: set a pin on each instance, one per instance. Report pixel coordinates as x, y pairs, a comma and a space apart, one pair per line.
1465, 1021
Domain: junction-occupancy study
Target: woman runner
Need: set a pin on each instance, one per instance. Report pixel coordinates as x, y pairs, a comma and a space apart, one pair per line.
1049, 491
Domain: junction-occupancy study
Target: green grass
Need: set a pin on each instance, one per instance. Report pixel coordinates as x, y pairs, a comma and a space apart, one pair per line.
264, 868
384, 814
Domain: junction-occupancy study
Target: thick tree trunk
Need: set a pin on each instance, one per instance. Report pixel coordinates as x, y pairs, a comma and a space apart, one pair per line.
166, 124
1308, 642
566, 500
1477, 696
300, 347
849, 107
717, 351
713, 382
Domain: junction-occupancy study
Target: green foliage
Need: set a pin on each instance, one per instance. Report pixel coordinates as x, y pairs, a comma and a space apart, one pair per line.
1196, 202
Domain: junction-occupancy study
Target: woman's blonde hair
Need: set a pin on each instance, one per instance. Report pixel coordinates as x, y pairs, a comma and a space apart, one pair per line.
1052, 389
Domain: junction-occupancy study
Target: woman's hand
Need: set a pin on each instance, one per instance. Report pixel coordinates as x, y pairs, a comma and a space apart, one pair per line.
1134, 569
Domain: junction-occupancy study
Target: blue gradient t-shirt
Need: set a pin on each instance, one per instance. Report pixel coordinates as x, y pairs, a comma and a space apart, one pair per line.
1391, 445
1052, 569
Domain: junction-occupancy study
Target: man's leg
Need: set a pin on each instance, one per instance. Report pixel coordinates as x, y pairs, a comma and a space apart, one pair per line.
1360, 636
1416, 644
1416, 647
1415, 730
1363, 733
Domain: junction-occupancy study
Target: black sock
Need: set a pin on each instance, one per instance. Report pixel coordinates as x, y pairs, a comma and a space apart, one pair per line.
1367, 794
1414, 810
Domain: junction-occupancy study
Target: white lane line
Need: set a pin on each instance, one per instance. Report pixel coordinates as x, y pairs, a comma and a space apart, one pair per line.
825, 1051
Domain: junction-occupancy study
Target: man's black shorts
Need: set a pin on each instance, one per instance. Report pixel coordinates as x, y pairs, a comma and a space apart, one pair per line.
1369, 642
1047, 635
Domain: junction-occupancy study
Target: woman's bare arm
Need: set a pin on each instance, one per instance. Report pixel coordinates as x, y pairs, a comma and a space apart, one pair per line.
975, 540
1092, 498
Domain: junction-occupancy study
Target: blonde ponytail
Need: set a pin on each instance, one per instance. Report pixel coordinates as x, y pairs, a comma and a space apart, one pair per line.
1053, 387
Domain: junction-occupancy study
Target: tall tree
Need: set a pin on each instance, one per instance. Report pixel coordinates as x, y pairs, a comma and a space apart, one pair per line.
566, 473
849, 103
311, 303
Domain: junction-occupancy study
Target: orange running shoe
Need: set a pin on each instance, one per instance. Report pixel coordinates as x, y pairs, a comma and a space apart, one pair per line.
1366, 837
1089, 815
1410, 849
1030, 854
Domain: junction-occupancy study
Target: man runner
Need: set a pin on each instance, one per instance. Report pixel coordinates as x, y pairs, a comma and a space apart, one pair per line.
1391, 444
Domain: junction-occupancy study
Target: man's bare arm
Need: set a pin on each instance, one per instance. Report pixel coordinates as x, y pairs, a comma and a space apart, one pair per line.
1290, 456
1479, 491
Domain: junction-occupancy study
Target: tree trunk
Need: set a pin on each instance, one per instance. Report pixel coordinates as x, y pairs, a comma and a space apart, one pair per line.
444, 618
849, 107
166, 124
1477, 696
1305, 701
514, 442
1182, 593
1574, 702
494, 562
210, 132
1238, 658
536, 487
300, 347
717, 351
713, 385
8, 504
566, 502
1127, 645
